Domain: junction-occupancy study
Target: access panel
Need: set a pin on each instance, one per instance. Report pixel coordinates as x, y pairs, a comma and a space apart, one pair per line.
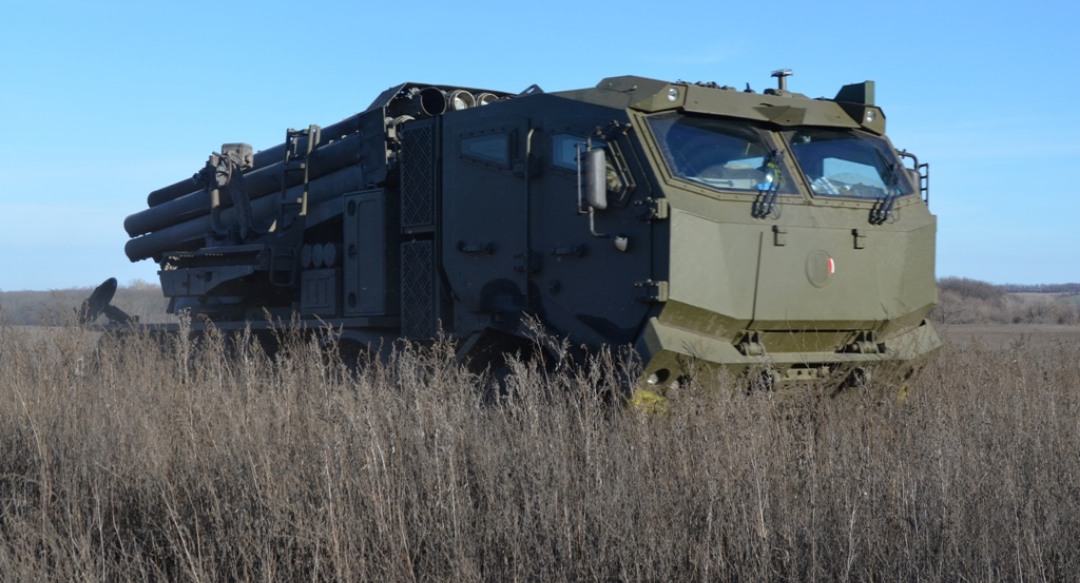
371, 258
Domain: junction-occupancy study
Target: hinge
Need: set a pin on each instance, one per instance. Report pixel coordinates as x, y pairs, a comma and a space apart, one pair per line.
580, 250
779, 236
466, 247
529, 165
860, 238
864, 342
528, 262
654, 209
655, 291
750, 344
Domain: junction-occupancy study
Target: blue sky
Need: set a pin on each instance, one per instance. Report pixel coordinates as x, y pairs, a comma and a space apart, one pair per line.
101, 103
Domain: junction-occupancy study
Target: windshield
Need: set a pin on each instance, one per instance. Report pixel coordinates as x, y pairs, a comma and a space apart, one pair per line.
722, 154
848, 163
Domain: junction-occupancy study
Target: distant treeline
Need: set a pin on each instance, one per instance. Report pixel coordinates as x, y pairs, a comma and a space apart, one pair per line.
1042, 288
969, 301
960, 301
61, 307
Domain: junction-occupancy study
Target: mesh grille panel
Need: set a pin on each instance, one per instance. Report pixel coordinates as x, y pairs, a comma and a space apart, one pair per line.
417, 290
417, 177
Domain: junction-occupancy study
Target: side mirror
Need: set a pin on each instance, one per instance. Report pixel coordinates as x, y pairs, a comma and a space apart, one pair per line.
913, 176
596, 179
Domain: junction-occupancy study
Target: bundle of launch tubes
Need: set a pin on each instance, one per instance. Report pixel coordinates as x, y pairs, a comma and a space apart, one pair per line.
179, 215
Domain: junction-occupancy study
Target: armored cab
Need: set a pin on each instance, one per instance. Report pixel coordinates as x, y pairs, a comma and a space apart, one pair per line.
699, 224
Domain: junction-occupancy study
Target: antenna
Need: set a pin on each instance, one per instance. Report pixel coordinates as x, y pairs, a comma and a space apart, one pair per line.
782, 75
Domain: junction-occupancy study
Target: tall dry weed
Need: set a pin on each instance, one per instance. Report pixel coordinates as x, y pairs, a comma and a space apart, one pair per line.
207, 460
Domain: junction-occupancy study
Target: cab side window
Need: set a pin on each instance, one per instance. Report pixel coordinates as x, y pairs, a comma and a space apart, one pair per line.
564, 150
489, 148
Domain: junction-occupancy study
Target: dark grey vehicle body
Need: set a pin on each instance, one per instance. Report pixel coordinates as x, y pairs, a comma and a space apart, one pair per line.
716, 226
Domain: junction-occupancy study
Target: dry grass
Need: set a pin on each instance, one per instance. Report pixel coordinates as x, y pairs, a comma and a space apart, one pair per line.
1010, 336
132, 463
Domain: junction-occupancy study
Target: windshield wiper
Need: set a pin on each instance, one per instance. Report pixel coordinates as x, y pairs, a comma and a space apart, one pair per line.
883, 208
765, 202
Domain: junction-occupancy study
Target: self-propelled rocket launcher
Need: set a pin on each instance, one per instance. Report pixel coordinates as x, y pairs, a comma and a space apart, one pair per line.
700, 224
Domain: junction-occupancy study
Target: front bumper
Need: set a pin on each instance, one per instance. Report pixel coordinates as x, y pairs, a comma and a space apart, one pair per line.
669, 352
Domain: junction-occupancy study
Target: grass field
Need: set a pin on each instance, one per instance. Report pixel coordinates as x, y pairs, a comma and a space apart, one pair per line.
128, 462
999, 336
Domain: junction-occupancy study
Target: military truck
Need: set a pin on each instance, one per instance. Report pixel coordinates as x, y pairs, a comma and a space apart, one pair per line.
697, 223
